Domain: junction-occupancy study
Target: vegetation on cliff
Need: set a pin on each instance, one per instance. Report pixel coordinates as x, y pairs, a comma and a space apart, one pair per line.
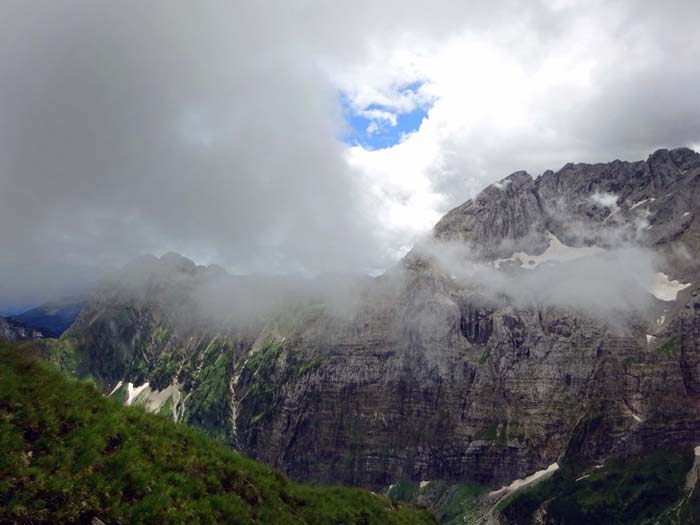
68, 455
647, 489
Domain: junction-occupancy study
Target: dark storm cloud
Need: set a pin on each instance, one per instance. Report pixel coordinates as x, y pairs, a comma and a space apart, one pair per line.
210, 127
128, 129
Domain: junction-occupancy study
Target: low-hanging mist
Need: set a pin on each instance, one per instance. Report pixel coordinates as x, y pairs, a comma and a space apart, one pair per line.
613, 280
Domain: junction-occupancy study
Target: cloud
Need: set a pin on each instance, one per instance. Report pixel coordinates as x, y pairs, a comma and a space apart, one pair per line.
561, 82
606, 200
130, 128
211, 129
615, 281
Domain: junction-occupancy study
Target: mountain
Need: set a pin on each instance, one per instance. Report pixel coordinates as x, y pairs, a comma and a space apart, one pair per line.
11, 330
52, 318
71, 456
549, 321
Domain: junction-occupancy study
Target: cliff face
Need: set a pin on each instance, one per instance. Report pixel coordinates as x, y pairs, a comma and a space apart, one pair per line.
11, 330
430, 375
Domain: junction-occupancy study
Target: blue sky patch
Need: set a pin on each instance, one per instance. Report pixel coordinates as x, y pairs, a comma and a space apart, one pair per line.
385, 135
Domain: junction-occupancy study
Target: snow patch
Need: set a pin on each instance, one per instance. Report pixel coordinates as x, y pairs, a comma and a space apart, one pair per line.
497, 263
157, 398
650, 339
132, 393
637, 418
661, 320
555, 252
423, 483
153, 400
664, 288
697, 451
611, 214
119, 385
518, 483
686, 214
642, 202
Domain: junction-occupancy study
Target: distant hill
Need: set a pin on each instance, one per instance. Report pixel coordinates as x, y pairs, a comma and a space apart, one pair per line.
52, 318
12, 331
69, 455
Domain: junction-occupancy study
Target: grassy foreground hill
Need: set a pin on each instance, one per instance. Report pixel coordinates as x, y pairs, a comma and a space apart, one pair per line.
68, 455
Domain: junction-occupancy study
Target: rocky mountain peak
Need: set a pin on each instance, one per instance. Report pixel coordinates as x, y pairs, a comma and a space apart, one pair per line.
179, 262
471, 378
648, 201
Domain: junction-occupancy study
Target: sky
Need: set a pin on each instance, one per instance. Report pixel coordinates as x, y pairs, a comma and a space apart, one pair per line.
310, 136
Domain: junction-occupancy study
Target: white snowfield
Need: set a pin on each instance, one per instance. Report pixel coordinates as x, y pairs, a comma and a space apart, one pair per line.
151, 400
518, 483
119, 385
157, 398
650, 339
555, 252
664, 288
642, 202
132, 393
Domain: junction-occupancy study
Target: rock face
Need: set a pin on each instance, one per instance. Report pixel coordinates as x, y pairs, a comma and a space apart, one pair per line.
11, 330
430, 377
580, 201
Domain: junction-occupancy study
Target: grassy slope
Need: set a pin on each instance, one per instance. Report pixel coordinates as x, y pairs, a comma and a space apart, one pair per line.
648, 489
452, 503
67, 455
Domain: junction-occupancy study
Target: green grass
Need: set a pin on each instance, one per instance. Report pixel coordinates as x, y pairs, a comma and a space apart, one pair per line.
67, 454
671, 347
404, 490
264, 373
495, 433
637, 490
452, 503
121, 394
208, 404
462, 502
167, 408
63, 353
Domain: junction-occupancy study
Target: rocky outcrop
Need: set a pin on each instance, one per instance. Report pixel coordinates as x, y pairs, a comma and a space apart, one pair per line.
428, 376
12, 331
654, 201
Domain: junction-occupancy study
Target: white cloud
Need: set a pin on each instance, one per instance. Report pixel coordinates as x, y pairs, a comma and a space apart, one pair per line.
482, 99
519, 94
606, 200
212, 129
